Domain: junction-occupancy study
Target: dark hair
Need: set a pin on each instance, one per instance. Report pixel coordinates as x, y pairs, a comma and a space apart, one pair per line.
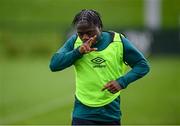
90, 16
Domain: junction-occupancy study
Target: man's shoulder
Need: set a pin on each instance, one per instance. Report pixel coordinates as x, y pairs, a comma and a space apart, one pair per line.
73, 38
111, 34
69, 43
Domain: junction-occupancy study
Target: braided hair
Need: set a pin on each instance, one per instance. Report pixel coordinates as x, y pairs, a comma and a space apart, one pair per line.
89, 16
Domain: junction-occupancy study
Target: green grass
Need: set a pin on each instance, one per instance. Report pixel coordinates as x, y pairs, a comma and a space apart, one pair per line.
29, 43
29, 89
31, 94
155, 98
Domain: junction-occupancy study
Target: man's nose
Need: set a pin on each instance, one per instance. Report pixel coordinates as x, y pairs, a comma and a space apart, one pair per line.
85, 37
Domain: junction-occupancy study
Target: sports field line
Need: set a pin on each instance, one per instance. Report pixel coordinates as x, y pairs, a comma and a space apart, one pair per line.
37, 110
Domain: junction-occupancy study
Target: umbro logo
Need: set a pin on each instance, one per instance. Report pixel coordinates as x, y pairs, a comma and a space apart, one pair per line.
98, 61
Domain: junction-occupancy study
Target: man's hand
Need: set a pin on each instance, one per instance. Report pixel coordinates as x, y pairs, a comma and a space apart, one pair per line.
112, 86
86, 46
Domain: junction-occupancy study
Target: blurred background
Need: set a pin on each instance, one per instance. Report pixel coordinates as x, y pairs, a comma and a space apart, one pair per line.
31, 31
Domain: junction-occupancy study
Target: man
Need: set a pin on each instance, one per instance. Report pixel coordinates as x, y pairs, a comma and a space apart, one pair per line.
99, 59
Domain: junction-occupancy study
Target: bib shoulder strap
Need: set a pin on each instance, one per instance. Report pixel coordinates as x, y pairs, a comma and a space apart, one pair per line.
118, 37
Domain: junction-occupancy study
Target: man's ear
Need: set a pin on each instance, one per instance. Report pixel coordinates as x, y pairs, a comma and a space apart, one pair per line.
100, 29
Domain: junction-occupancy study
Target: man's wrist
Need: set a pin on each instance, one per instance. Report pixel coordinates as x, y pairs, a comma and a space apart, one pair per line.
121, 82
80, 50
77, 52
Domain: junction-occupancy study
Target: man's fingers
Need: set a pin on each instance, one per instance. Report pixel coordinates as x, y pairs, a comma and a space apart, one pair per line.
93, 49
86, 47
91, 40
111, 87
105, 87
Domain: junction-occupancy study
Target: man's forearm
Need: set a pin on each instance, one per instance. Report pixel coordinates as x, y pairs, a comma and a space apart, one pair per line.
138, 71
62, 60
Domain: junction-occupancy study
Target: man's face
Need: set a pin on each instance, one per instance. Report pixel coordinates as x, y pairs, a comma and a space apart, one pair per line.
86, 31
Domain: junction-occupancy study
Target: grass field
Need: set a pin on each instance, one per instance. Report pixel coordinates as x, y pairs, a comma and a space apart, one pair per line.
31, 94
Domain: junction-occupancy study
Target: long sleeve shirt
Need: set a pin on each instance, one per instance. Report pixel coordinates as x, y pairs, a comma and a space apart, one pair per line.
67, 55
